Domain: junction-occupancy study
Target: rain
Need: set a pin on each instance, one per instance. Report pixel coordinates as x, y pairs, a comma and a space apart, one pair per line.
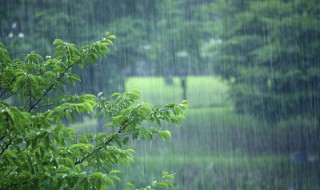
249, 69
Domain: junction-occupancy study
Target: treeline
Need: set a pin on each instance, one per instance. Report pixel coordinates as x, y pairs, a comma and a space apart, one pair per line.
267, 50
270, 52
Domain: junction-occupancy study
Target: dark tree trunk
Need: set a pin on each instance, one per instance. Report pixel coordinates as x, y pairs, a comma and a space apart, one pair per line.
183, 81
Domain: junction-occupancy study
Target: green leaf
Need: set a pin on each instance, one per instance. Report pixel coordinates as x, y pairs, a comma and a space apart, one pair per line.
177, 110
114, 171
158, 121
164, 173
58, 41
164, 135
131, 185
74, 76
111, 36
115, 94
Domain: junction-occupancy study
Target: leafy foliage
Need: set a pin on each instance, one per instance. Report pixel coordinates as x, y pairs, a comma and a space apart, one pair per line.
40, 22
38, 151
269, 51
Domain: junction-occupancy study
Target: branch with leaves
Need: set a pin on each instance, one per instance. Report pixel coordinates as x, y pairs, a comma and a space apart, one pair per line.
127, 112
32, 80
38, 151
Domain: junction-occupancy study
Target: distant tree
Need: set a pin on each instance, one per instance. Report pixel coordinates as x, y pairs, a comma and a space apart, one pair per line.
38, 152
269, 51
175, 46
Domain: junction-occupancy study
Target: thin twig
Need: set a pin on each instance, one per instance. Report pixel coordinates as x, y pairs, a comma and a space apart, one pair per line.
4, 90
30, 93
8, 96
6, 147
49, 89
106, 143
2, 93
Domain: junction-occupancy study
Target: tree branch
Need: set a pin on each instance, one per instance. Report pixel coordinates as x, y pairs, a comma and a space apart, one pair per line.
49, 89
59, 78
106, 143
6, 147
30, 93
2, 93
4, 90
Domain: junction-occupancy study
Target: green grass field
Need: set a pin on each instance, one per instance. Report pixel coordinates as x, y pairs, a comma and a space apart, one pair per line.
202, 91
223, 172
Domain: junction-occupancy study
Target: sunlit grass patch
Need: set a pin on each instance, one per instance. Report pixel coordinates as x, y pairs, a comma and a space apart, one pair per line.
155, 91
207, 91
202, 91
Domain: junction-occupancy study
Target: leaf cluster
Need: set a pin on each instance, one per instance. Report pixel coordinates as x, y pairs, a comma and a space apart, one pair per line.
164, 182
38, 151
